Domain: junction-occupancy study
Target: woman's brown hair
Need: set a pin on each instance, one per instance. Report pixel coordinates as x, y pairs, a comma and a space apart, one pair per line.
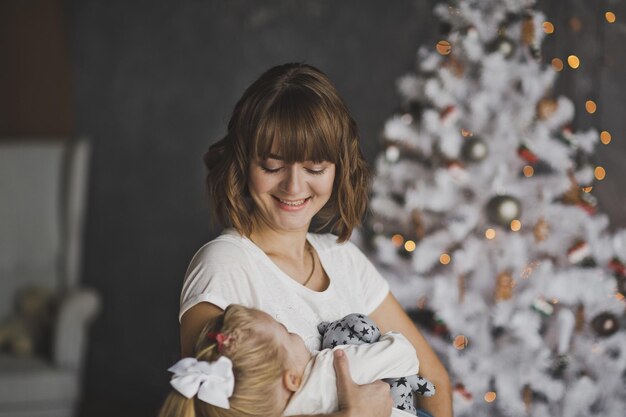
258, 365
296, 109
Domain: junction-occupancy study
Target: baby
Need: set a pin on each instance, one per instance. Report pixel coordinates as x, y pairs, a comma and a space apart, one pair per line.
248, 364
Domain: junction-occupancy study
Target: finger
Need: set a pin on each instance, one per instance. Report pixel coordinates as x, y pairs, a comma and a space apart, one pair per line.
340, 363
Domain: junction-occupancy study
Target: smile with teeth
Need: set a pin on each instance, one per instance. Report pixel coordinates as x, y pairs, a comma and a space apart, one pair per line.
293, 203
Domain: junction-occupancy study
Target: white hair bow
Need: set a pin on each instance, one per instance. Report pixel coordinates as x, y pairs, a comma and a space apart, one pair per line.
212, 382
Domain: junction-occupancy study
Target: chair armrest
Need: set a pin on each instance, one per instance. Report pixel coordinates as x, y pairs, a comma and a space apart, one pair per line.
77, 310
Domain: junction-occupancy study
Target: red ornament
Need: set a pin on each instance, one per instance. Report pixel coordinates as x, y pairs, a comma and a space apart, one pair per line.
445, 112
460, 389
527, 155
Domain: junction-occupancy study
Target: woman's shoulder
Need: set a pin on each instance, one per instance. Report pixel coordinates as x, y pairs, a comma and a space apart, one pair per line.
327, 242
228, 247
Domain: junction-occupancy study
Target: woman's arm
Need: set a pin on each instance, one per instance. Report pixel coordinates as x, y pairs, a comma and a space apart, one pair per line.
192, 323
391, 316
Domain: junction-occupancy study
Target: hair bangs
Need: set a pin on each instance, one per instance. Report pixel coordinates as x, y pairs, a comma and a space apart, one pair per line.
296, 127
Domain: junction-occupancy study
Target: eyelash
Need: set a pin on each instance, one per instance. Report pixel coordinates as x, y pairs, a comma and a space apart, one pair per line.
275, 170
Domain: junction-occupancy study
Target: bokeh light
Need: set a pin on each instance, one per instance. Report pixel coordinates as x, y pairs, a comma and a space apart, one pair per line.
444, 47
610, 17
575, 24
528, 171
590, 106
397, 240
557, 64
460, 342
587, 189
445, 259
490, 234
599, 173
516, 225
605, 137
548, 27
409, 246
490, 397
573, 61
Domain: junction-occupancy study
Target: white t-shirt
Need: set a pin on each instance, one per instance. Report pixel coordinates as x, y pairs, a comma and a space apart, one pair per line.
392, 356
231, 269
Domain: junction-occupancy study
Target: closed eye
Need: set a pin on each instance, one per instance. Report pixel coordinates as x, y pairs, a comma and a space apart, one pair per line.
316, 171
270, 170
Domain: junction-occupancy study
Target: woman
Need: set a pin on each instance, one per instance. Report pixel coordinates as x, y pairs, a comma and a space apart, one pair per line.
291, 158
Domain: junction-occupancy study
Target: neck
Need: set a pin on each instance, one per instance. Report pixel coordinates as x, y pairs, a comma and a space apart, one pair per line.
272, 242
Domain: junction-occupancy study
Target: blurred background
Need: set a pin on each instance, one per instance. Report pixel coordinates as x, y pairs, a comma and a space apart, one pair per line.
152, 84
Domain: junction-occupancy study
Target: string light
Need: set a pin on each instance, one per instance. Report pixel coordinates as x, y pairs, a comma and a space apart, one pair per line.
444, 47
573, 61
409, 246
599, 173
397, 240
590, 106
490, 396
445, 259
490, 234
548, 27
575, 24
516, 225
528, 171
610, 17
605, 137
460, 342
557, 64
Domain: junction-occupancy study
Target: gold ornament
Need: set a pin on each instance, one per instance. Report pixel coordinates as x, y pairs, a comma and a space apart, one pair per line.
455, 66
541, 230
418, 224
528, 31
546, 108
572, 196
580, 318
461, 288
504, 286
527, 394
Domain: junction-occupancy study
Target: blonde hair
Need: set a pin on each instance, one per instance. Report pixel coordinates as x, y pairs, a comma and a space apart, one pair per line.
258, 366
296, 108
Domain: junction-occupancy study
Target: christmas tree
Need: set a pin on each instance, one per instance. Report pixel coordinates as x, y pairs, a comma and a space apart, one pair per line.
484, 222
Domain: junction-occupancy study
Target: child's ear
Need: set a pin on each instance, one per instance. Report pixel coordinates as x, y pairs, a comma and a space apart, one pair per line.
291, 380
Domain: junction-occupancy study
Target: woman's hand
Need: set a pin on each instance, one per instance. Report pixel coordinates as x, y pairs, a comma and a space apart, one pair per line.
371, 400
391, 316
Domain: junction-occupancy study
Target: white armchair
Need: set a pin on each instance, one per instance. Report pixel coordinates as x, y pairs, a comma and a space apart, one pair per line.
42, 200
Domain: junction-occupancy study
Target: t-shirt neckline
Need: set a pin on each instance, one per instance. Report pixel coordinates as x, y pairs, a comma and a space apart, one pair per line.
258, 252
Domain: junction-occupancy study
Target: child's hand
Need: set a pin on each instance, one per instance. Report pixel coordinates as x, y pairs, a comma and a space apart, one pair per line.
370, 400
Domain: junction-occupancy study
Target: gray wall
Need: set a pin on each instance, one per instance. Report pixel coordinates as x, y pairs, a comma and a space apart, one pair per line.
155, 83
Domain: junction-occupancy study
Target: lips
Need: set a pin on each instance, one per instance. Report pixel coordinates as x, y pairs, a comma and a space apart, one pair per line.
293, 202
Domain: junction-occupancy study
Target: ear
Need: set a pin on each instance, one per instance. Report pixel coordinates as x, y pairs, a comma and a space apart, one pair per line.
291, 380
321, 328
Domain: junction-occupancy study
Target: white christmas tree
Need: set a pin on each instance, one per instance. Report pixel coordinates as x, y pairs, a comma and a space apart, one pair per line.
483, 221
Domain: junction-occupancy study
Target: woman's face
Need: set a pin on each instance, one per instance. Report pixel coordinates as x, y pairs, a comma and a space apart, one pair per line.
287, 196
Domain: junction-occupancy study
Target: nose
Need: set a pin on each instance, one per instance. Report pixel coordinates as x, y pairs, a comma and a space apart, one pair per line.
292, 181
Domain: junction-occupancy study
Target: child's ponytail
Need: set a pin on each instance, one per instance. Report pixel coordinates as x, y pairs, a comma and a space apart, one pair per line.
176, 405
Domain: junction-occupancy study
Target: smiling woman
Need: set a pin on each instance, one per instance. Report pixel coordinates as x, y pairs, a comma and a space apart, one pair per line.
291, 155
291, 114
